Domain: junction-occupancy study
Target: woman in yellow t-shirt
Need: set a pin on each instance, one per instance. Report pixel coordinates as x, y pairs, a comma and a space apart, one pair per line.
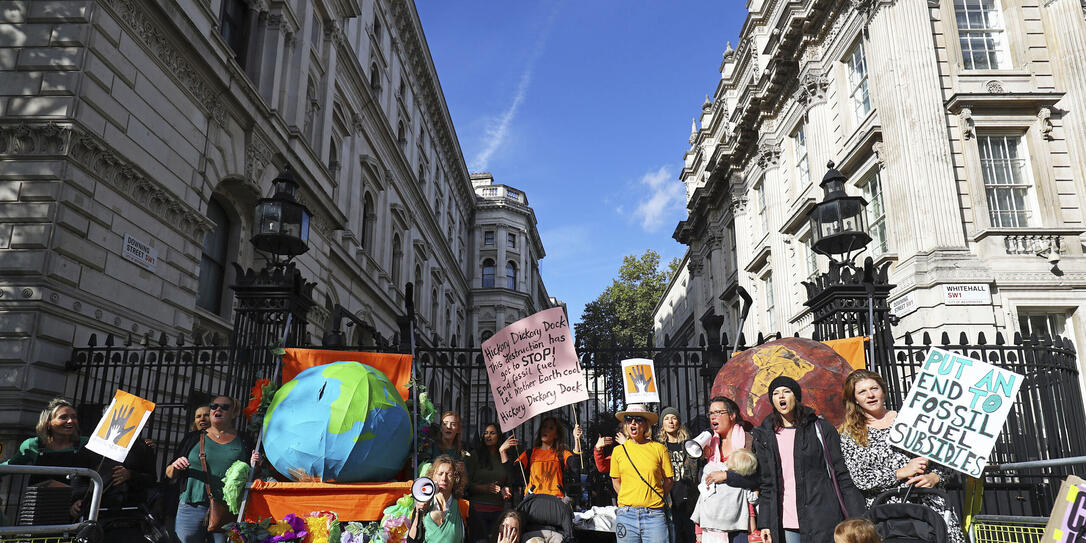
642, 475
546, 461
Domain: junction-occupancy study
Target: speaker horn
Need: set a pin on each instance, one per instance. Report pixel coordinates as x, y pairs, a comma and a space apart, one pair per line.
423, 489
694, 446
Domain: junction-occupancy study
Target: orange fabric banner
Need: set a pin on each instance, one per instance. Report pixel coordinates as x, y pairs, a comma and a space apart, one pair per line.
851, 349
397, 367
350, 501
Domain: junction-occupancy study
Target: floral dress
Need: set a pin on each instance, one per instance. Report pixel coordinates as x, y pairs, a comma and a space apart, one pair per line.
873, 470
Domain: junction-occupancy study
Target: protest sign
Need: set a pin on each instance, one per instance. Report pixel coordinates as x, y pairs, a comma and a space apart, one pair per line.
533, 367
1067, 523
120, 426
639, 381
955, 410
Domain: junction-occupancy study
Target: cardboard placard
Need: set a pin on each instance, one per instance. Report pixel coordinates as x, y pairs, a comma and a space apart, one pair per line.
639, 381
120, 426
1067, 523
955, 410
533, 367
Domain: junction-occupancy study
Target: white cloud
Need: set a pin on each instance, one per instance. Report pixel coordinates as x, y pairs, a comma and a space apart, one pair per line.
666, 195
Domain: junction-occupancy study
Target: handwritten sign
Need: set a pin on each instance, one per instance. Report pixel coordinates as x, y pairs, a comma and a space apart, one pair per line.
955, 410
120, 426
639, 381
533, 367
1067, 523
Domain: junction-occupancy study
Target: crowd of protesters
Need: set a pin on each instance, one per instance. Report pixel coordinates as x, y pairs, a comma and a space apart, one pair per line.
792, 478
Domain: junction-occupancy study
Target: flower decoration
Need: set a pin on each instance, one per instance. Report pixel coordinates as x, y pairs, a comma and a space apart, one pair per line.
255, 397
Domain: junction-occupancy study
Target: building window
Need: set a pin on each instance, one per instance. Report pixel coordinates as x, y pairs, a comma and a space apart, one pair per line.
234, 27
488, 273
485, 335
213, 260
401, 133
1007, 181
812, 259
857, 83
876, 213
375, 80
762, 208
1043, 323
397, 259
510, 276
799, 151
770, 317
377, 29
369, 222
511, 241
418, 286
333, 157
315, 36
982, 34
488, 237
434, 303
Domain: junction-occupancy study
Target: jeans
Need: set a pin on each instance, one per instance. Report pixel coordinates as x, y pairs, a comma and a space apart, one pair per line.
481, 524
191, 525
791, 536
642, 525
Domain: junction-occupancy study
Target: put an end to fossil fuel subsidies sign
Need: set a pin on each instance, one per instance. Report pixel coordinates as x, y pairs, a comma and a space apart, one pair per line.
955, 411
533, 367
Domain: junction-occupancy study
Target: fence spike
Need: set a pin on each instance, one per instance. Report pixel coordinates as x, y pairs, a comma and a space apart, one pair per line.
162, 340
724, 339
147, 338
908, 338
963, 339
215, 339
796, 334
92, 341
761, 339
926, 339
109, 340
180, 339
981, 340
1017, 337
742, 341
1000, 340
944, 339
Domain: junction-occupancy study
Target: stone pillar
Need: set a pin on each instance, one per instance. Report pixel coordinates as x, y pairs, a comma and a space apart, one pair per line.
919, 179
1065, 32
812, 93
272, 58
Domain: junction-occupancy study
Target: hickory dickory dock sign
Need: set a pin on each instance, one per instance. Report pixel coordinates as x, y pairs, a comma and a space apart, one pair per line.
955, 410
533, 367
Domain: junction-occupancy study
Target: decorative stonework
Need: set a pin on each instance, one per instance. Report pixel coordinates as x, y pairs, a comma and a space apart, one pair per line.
995, 87
1044, 116
258, 154
769, 155
812, 88
968, 124
879, 150
132, 14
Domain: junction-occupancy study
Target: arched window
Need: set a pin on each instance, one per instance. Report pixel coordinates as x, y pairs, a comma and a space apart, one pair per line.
213, 260
434, 310
375, 80
397, 260
369, 222
401, 133
510, 276
418, 287
485, 335
488, 273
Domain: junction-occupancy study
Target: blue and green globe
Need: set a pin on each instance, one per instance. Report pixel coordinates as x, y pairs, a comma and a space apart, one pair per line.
340, 422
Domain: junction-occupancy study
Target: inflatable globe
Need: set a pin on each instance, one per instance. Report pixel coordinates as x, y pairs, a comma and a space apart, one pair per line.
819, 370
340, 422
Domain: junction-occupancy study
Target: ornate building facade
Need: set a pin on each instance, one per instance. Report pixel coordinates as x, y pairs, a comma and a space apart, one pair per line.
136, 137
961, 122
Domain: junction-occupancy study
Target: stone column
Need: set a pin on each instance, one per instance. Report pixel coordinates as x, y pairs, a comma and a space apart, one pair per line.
919, 178
812, 94
1065, 32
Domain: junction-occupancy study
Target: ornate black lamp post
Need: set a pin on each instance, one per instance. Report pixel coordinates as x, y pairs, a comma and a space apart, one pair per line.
281, 223
838, 225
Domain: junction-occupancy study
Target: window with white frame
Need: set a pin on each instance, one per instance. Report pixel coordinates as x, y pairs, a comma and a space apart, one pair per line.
812, 259
799, 152
876, 212
762, 208
770, 318
1043, 322
858, 93
1008, 184
982, 34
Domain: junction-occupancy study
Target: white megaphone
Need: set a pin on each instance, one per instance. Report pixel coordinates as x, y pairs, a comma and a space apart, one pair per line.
694, 446
423, 489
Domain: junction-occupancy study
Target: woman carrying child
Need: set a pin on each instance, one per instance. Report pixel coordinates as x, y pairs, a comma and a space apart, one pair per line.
728, 478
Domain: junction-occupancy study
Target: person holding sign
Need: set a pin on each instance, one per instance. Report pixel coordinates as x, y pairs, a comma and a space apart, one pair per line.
438, 520
642, 475
806, 488
874, 465
547, 461
202, 460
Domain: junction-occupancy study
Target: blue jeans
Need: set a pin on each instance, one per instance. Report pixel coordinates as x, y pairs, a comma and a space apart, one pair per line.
641, 525
191, 524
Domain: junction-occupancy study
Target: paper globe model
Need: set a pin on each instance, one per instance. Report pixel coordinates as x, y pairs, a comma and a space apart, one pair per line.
819, 370
340, 422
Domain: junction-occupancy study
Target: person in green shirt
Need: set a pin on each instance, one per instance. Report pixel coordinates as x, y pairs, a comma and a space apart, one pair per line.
438, 520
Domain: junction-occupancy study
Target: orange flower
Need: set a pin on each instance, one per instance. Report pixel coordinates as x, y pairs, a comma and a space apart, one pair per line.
256, 395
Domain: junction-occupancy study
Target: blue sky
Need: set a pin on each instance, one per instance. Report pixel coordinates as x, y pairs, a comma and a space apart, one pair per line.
585, 106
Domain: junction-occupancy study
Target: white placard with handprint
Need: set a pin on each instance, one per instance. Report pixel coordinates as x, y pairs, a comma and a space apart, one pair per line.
639, 381
120, 425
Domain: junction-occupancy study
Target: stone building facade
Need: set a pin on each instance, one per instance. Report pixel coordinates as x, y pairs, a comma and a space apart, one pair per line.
136, 137
962, 123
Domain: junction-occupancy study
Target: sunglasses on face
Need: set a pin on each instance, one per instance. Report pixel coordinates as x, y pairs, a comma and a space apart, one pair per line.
223, 406
639, 420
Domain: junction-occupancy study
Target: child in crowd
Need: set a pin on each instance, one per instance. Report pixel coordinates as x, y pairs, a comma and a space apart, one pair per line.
725, 512
856, 530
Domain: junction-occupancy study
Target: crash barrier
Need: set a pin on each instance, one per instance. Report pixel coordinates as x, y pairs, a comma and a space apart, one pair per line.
26, 508
1041, 478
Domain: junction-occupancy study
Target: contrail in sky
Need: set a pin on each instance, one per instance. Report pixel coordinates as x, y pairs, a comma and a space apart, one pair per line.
497, 132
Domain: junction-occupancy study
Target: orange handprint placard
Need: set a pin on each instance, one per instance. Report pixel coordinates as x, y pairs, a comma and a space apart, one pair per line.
639, 381
120, 425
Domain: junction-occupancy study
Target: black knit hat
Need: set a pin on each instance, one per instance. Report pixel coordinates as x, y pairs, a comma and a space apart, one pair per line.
786, 382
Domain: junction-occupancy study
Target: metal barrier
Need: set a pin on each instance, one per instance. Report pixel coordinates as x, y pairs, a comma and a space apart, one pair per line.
1007, 529
54, 532
1042, 476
